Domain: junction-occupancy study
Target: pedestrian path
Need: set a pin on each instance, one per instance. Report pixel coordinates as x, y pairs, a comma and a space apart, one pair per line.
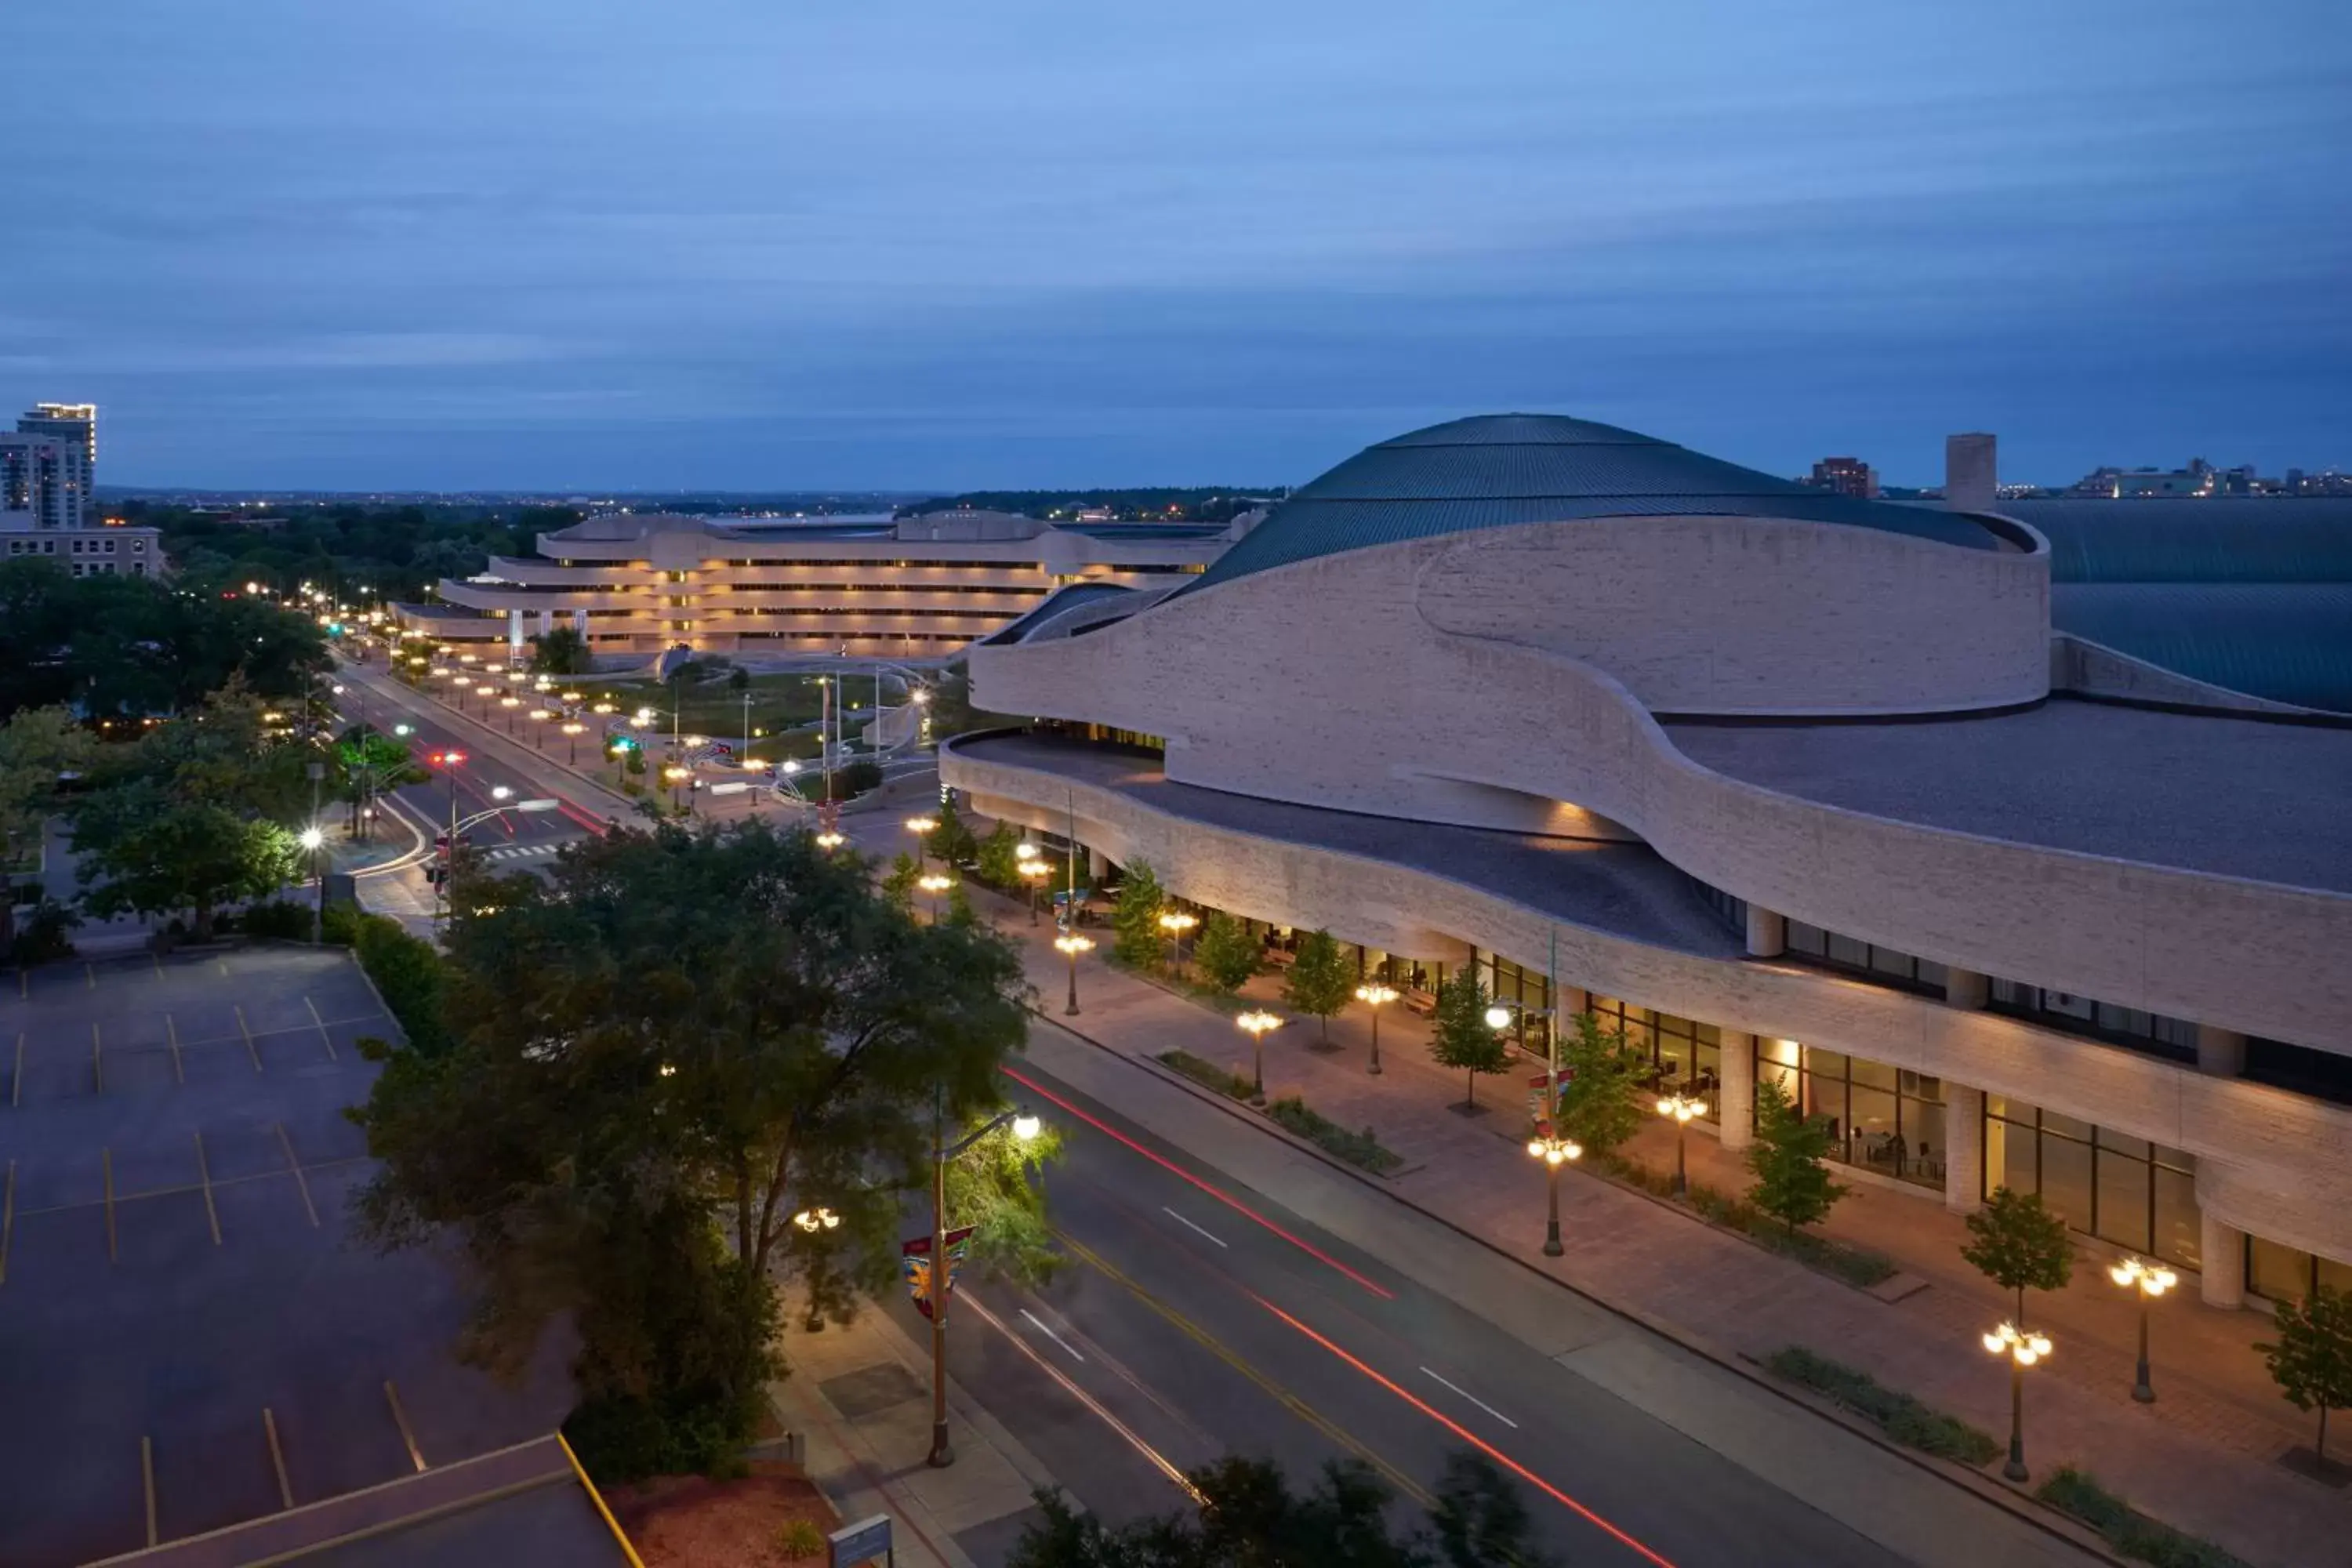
2205, 1457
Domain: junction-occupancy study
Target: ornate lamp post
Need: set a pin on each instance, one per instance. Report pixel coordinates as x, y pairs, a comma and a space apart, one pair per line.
935, 884
1554, 1152
1025, 1127
571, 733
1679, 1109
2146, 1280
2023, 1349
1034, 873
922, 827
1176, 924
1070, 945
1258, 1025
1376, 997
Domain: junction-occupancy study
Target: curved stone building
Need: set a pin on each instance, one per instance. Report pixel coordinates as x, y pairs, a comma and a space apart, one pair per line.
1792, 784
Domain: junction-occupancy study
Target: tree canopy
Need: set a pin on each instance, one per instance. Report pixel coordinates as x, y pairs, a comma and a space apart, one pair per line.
1226, 953
1793, 1183
2020, 1243
1461, 1037
1603, 1084
1319, 982
2311, 1360
1136, 936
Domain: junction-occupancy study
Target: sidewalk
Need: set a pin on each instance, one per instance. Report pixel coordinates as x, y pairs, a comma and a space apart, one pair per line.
2204, 1459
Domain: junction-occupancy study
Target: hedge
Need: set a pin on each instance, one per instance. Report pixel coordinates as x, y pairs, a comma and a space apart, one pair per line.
2130, 1531
1895, 1413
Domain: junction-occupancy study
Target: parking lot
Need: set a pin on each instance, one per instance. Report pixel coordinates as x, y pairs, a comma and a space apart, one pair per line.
188, 1334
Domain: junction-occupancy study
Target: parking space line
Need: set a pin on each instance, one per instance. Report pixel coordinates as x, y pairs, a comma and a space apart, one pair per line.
97, 1063
205, 1175
324, 1036
246, 1030
8, 1220
106, 1162
147, 1473
277, 1457
172, 1033
400, 1419
223, 967
89, 975
156, 958
17, 1083
295, 1165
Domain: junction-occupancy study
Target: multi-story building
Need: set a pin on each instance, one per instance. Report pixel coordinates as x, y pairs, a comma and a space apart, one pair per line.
1847, 476
920, 588
75, 422
45, 476
1787, 786
44, 482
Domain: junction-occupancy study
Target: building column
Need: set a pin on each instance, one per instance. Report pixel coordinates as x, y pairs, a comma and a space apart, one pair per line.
1963, 1148
1768, 932
1097, 868
1735, 1094
2220, 1053
1965, 988
2222, 1250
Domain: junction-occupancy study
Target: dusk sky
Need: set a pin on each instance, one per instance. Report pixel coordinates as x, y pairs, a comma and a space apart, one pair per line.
742, 244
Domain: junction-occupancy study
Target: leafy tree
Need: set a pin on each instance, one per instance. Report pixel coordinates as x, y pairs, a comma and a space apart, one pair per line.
368, 764
952, 841
1135, 919
1461, 1036
141, 852
561, 650
1226, 953
998, 860
1603, 1081
738, 679
1788, 1159
2311, 1360
1318, 983
2019, 1243
959, 910
37, 746
995, 1185
898, 887
662, 1054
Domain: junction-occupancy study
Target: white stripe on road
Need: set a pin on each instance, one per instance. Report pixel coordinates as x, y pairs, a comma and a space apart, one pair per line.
1476, 1401
1187, 1224
1050, 1334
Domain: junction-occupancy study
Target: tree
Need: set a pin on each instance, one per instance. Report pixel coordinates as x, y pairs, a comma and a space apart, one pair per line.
36, 747
683, 1039
738, 679
997, 861
369, 762
898, 887
1462, 1038
952, 842
1318, 983
142, 852
1225, 954
1788, 1159
1603, 1081
561, 650
2020, 1244
2311, 1360
1248, 1515
1135, 919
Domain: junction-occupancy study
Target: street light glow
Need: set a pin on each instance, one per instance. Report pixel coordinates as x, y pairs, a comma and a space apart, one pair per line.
1498, 1016
312, 839
1026, 1127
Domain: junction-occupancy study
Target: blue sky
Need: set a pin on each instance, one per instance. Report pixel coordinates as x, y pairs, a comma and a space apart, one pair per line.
591, 245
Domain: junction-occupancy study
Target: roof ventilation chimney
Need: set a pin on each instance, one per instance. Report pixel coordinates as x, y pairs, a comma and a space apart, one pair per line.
1971, 474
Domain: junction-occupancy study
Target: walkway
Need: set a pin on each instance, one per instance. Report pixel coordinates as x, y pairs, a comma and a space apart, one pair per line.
2205, 1457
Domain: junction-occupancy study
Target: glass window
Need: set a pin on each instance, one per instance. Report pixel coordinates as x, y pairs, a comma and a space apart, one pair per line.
1875, 1075
1846, 950
2066, 1126
1827, 1062
1876, 1140
2279, 1272
2066, 1180
2122, 1198
1926, 1147
2179, 1235
2123, 1143
2334, 1275
1825, 1096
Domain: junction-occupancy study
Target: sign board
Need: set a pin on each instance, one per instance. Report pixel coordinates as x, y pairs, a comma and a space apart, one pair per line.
854, 1545
916, 1260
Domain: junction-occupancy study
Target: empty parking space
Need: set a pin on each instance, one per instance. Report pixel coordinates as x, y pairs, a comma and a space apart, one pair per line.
176, 1174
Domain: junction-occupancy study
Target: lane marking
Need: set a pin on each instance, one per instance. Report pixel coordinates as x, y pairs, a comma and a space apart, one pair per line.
1039, 1323
400, 1419
246, 1030
1315, 1418
277, 1457
147, 1474
295, 1165
1188, 1225
1473, 1399
1517, 1468
8, 1220
205, 1175
324, 1036
17, 1083
1230, 1201
106, 1164
156, 958
97, 1065
1157, 1460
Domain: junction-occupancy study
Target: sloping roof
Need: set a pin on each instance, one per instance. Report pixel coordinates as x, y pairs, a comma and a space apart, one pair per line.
1498, 470
2218, 540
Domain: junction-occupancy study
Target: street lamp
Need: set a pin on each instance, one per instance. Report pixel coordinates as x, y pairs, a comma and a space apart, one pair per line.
1025, 1127
1376, 997
539, 718
1070, 945
1554, 1152
935, 884
1257, 1023
815, 1219
1034, 873
312, 839
572, 732
1679, 1108
922, 827
1176, 925
511, 704
677, 776
2023, 1349
2147, 1281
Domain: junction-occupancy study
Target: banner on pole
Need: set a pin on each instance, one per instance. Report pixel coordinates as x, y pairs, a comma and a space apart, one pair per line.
916, 1260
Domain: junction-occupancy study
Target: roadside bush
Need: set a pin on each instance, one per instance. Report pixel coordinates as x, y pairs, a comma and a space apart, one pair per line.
1362, 1148
1856, 1266
2125, 1528
800, 1537
1208, 1074
278, 919
1896, 1414
42, 936
407, 971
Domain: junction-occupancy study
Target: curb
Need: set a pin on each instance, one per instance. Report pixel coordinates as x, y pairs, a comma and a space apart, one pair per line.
2019, 1505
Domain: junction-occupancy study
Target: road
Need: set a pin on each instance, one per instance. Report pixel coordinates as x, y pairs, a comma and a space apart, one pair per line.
1199, 1317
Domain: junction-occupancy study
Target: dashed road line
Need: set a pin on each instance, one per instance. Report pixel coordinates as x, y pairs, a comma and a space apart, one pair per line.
1039, 1325
1473, 1399
1188, 1225
172, 1033
147, 1474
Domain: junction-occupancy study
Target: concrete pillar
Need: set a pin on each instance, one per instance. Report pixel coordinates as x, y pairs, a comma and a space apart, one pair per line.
2222, 1249
1768, 932
1966, 989
1963, 1148
2220, 1053
1097, 868
1736, 1091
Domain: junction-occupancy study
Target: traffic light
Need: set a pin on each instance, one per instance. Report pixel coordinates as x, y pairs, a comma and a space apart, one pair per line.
447, 759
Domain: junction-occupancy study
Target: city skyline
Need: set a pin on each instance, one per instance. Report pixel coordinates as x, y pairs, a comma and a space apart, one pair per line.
1031, 248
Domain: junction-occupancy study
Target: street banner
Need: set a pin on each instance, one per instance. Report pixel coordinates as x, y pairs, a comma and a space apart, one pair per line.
916, 1260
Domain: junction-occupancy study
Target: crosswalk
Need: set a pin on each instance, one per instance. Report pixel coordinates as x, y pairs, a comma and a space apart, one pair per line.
520, 851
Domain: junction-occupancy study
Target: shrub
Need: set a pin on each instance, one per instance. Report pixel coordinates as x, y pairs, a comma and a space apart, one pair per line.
41, 937
341, 924
2130, 1531
1855, 1264
627, 1438
1208, 1074
1896, 1414
800, 1537
278, 919
407, 972
1362, 1148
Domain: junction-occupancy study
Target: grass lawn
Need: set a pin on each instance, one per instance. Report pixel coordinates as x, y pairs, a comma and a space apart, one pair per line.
711, 708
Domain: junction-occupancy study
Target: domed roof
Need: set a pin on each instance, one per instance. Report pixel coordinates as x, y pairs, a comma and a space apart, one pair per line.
1498, 470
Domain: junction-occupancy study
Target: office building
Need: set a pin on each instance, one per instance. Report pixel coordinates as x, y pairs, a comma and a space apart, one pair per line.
1786, 784
1847, 476
46, 509
919, 589
75, 422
